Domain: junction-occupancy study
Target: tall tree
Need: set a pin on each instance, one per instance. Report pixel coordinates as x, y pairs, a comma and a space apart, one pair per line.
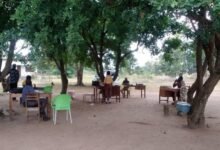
177, 57
44, 23
8, 35
202, 26
109, 27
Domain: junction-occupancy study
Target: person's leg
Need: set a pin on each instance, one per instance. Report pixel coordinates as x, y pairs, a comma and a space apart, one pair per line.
106, 93
13, 86
174, 99
109, 92
16, 85
108, 96
43, 105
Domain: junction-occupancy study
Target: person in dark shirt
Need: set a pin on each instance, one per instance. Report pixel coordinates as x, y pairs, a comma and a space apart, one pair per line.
43, 102
125, 82
177, 82
180, 83
14, 77
125, 87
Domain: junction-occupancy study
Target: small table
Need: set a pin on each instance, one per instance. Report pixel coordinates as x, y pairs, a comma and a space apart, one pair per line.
115, 92
96, 92
168, 91
174, 91
18, 95
141, 87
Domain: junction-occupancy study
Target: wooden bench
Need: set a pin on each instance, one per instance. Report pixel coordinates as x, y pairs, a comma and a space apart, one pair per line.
90, 95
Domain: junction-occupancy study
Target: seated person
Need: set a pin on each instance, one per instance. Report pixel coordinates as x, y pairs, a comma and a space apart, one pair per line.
43, 102
125, 84
24, 81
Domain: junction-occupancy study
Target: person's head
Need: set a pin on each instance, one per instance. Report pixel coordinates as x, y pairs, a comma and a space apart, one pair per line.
180, 78
108, 73
126, 78
28, 80
14, 66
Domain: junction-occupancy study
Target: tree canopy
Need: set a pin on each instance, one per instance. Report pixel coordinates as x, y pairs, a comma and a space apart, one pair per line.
102, 30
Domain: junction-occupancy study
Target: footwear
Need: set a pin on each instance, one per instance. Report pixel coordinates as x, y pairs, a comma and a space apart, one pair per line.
5, 112
14, 99
45, 118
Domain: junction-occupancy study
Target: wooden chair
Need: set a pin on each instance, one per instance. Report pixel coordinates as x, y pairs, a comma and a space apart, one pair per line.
116, 93
163, 92
125, 91
32, 98
90, 95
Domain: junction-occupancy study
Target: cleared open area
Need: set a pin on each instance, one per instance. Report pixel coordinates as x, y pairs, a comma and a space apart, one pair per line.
134, 124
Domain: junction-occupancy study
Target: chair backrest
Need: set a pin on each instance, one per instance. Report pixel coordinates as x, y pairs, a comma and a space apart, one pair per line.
48, 89
115, 90
126, 87
62, 102
32, 98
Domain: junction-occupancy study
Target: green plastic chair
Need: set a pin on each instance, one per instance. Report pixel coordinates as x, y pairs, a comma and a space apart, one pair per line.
48, 89
61, 102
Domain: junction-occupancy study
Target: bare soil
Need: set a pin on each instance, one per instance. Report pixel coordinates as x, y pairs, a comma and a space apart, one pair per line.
133, 124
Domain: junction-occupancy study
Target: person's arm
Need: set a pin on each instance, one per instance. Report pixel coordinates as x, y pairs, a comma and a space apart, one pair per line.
175, 83
18, 75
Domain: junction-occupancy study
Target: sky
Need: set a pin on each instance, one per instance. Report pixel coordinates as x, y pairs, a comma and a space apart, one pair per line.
142, 55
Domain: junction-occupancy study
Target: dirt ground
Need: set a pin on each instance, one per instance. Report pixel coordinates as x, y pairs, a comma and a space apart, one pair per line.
134, 124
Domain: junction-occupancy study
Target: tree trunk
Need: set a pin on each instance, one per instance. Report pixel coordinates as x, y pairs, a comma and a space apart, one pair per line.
9, 60
64, 79
217, 45
7, 66
196, 117
79, 74
200, 91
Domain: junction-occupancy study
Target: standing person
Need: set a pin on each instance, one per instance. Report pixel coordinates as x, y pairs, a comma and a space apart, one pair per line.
182, 94
183, 90
14, 77
108, 87
177, 82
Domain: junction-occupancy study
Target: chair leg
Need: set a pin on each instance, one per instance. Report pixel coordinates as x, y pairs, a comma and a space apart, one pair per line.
55, 117
71, 121
67, 115
27, 116
39, 116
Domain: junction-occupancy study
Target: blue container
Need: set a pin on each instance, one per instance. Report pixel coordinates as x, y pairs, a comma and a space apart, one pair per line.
183, 107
